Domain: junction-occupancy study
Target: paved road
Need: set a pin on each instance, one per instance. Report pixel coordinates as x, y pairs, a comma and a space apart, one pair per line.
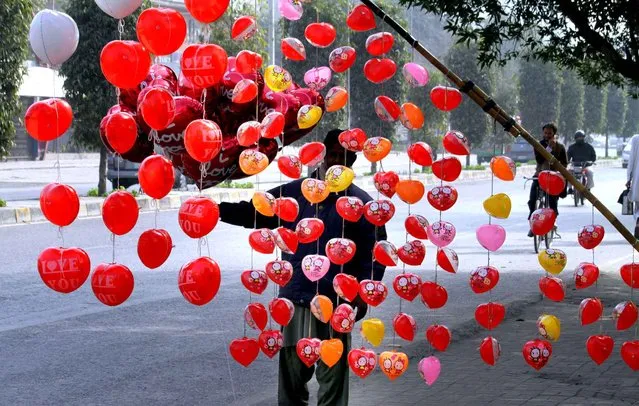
157, 348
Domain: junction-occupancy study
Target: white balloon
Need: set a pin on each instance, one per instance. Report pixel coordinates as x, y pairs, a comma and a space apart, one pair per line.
53, 36
119, 8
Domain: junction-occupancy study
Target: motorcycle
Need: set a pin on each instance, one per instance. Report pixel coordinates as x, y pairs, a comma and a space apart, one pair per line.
578, 170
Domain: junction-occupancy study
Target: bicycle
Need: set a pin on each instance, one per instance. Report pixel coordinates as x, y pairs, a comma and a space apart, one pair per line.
578, 170
542, 203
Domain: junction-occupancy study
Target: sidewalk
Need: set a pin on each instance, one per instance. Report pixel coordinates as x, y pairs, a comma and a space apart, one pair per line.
570, 377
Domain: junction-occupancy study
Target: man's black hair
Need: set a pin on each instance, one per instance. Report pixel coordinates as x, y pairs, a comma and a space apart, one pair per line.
332, 139
552, 126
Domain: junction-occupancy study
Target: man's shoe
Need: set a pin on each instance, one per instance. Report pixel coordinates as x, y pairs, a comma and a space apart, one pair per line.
530, 234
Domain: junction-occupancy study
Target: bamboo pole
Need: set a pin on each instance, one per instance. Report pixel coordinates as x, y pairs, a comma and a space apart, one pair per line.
502, 117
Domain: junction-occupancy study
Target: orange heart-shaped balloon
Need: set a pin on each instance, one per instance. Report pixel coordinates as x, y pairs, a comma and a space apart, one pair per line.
377, 148
410, 191
252, 161
315, 190
331, 351
393, 364
263, 203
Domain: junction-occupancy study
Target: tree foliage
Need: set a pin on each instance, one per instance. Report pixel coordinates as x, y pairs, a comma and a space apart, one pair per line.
631, 126
599, 39
539, 94
15, 18
594, 109
615, 110
571, 117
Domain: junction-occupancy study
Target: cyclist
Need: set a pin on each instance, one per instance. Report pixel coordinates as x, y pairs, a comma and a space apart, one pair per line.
549, 141
581, 152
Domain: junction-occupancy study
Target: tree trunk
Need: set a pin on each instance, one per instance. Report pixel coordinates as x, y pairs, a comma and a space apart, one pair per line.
102, 169
467, 160
606, 145
373, 168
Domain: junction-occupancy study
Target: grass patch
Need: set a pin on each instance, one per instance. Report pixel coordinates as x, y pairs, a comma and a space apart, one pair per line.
368, 174
517, 164
610, 158
427, 169
93, 192
475, 168
531, 162
3, 203
236, 185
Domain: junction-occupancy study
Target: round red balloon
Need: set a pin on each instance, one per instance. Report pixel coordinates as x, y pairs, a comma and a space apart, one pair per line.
203, 140
120, 212
112, 284
156, 176
157, 107
64, 269
198, 216
154, 247
125, 63
59, 204
361, 18
199, 280
48, 119
206, 11
121, 131
320, 35
161, 30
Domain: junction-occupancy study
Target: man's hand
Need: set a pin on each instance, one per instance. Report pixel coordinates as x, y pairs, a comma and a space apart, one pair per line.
361, 307
628, 184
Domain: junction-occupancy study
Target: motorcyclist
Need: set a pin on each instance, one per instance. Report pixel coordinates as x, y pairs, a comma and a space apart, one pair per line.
581, 153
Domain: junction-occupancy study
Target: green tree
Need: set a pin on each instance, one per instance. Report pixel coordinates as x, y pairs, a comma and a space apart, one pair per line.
596, 38
539, 94
88, 92
15, 17
615, 112
467, 118
571, 117
631, 126
506, 93
594, 109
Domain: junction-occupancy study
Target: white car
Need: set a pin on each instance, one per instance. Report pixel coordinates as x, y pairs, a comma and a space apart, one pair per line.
625, 155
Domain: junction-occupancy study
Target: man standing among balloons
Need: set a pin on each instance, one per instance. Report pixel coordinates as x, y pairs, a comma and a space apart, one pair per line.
293, 373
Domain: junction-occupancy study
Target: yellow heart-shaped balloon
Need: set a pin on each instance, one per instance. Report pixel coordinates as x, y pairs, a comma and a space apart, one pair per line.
263, 203
322, 308
373, 331
315, 190
252, 161
498, 206
410, 191
308, 116
552, 260
339, 178
331, 351
549, 327
277, 78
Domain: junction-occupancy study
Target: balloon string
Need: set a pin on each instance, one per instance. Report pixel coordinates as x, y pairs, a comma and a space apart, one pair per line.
117, 165
120, 29
113, 248
203, 101
309, 324
157, 211
61, 235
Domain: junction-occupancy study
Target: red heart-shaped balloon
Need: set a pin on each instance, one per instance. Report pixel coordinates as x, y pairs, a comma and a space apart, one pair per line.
312, 153
272, 126
407, 286
156, 106
447, 259
489, 350
626, 315
282, 310
342, 58
286, 208
552, 182
553, 288
112, 284
290, 166
125, 64
412, 253
442, 198
320, 35
362, 361
379, 212
244, 350
199, 280
630, 354
256, 316
254, 281
286, 240
599, 347
353, 140
385, 183
537, 353
270, 342
361, 18
590, 237
206, 11
248, 62
586, 275
380, 43
243, 28
340, 250
630, 275
372, 292
59, 203
48, 119
447, 169
434, 295
379, 70
343, 318
262, 241
405, 326
309, 230
248, 133
308, 350
120, 212
542, 221
420, 153
154, 247
346, 286
385, 253
156, 176
198, 216
483, 279
350, 208
438, 336
387, 109
293, 49
279, 271
590, 310
490, 315
204, 65
445, 98
456, 143
64, 269
416, 225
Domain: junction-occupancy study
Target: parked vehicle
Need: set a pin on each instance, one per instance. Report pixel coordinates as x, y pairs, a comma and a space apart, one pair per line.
521, 151
485, 153
129, 173
625, 155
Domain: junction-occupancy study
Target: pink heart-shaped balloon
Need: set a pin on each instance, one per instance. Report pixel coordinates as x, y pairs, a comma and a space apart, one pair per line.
441, 233
491, 236
315, 267
429, 369
415, 74
318, 78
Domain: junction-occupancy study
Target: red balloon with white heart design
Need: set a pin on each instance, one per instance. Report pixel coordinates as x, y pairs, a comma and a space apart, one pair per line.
353, 139
286, 240
442, 198
434, 295
343, 318
256, 316
438, 336
586, 275
630, 274
542, 221
308, 350
625, 313
350, 208
447, 259
385, 183
412, 253
483, 279
254, 280
590, 310
416, 225
362, 361
372, 292
379, 212
262, 241
270, 341
490, 315
340, 250
154, 247
346, 286
385, 253
599, 347
447, 169
309, 230
404, 325
590, 236
553, 288
290, 166
279, 271
456, 143
489, 350
537, 353
282, 310
407, 286
64, 269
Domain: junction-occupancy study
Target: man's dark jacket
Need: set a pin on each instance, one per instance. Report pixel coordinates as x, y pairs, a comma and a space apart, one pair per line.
583, 152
